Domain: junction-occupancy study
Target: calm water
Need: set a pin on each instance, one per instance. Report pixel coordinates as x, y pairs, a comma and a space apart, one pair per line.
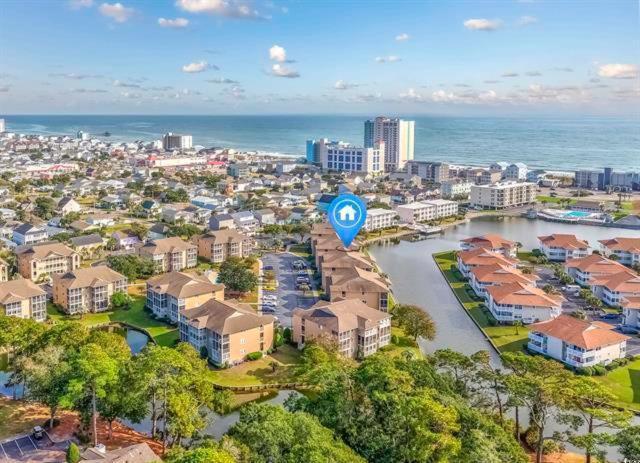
555, 143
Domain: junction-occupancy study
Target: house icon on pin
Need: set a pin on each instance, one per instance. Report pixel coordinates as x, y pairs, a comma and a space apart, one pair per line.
347, 213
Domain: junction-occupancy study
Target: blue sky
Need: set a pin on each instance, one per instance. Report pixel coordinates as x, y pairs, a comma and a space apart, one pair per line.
330, 56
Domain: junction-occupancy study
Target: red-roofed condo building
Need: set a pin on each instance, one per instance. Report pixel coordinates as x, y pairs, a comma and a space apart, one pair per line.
559, 247
627, 250
520, 302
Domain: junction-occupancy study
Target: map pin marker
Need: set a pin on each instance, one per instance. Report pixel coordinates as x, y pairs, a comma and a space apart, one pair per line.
347, 214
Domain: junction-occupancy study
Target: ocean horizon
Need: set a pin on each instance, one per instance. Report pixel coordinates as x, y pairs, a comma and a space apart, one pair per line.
555, 143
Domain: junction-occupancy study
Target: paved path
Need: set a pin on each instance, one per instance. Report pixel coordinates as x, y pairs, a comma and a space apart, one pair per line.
289, 297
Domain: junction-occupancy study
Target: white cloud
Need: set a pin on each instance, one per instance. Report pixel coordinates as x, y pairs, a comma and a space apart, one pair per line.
483, 24
278, 53
280, 70
177, 23
342, 85
491, 81
412, 95
74, 76
199, 66
533, 73
116, 11
234, 92
510, 74
562, 69
227, 8
119, 83
222, 80
88, 90
76, 4
402, 37
527, 20
387, 59
618, 71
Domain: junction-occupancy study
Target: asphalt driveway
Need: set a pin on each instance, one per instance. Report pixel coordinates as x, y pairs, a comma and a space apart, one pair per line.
289, 297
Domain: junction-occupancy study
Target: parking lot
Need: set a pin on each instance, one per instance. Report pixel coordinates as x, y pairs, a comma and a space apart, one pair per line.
28, 449
288, 297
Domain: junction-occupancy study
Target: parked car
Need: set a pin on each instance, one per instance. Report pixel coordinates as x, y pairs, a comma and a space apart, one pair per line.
267, 267
269, 297
38, 432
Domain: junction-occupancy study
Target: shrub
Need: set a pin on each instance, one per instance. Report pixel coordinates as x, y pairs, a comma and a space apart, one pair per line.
394, 339
73, 453
586, 371
599, 370
254, 356
493, 321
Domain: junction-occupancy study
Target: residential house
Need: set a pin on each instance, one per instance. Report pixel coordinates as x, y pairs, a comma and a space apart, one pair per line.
467, 260
136, 453
265, 217
112, 202
480, 278
518, 302
216, 246
221, 222
27, 233
357, 283
150, 209
45, 259
561, 247
88, 246
100, 220
158, 231
87, 289
357, 329
186, 213
583, 269
170, 254
577, 343
67, 205
172, 292
246, 222
125, 239
626, 250
226, 331
491, 242
22, 298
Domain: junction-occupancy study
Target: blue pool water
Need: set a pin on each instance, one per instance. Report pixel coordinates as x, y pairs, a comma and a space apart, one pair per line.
577, 214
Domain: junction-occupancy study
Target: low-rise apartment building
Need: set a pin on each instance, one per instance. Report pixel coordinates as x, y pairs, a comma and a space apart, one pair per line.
226, 331
444, 207
356, 283
170, 254
22, 298
217, 246
378, 219
515, 302
480, 278
631, 312
582, 270
467, 260
626, 250
357, 329
416, 212
172, 292
614, 289
491, 242
333, 261
87, 289
40, 261
503, 195
455, 189
577, 343
561, 247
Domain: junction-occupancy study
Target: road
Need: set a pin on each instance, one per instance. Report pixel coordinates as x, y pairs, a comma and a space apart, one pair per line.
289, 297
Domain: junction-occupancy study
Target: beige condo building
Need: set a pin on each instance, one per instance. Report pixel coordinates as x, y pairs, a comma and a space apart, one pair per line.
46, 259
170, 254
217, 246
22, 298
357, 283
503, 195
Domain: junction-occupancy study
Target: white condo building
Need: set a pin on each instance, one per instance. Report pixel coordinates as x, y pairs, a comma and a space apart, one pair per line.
174, 141
503, 195
398, 137
378, 219
422, 211
348, 158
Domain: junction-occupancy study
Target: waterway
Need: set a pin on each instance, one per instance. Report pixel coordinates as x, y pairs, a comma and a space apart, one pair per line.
416, 279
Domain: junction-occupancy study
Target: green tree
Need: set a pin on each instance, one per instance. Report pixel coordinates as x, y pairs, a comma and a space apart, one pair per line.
120, 300
236, 276
209, 454
176, 196
415, 321
45, 207
73, 453
132, 266
628, 442
186, 230
139, 230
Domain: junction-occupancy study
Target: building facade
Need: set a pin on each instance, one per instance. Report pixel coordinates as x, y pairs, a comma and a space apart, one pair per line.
503, 195
349, 158
87, 289
398, 138
561, 247
43, 260
22, 298
174, 141
217, 246
432, 172
378, 219
170, 254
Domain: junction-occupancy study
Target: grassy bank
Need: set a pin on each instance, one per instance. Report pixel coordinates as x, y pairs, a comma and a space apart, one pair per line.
506, 338
624, 382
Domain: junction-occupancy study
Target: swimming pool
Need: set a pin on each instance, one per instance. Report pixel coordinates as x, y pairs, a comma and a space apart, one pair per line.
577, 214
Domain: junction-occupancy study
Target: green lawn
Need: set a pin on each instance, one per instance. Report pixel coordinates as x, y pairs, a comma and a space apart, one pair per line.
507, 338
624, 382
554, 199
400, 342
256, 372
136, 316
302, 250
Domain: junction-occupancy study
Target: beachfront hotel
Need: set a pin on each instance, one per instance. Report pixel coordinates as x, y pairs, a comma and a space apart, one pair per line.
398, 137
503, 195
349, 158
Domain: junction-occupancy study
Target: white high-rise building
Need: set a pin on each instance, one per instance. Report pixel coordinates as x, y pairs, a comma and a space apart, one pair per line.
174, 141
398, 138
2, 127
348, 158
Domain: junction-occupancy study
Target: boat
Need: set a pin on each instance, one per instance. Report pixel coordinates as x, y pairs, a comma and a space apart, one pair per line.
107, 134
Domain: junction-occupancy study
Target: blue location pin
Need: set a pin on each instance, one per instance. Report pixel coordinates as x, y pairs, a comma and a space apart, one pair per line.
347, 214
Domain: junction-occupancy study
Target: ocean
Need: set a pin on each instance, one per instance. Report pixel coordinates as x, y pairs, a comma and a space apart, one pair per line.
556, 143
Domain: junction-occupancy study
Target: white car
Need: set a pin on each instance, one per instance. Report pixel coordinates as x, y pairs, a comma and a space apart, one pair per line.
270, 297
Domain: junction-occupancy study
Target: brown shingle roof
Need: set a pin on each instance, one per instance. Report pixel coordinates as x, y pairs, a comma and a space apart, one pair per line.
501, 274
86, 277
44, 250
181, 285
224, 236
18, 290
137, 453
490, 240
355, 279
343, 315
225, 317
166, 245
623, 282
580, 333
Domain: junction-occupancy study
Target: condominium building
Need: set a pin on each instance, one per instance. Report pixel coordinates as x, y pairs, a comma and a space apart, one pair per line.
349, 158
398, 138
525, 303
226, 332
615, 289
40, 261
357, 329
577, 343
560, 247
172, 292
582, 270
490, 242
356, 283
87, 289
416, 212
626, 250
336, 260
4, 271
174, 141
378, 219
468, 260
444, 207
455, 189
589, 179
433, 172
503, 195
631, 313
22, 298
170, 254
217, 246
480, 278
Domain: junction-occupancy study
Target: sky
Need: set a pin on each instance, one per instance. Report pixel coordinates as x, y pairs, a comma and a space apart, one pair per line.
320, 57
